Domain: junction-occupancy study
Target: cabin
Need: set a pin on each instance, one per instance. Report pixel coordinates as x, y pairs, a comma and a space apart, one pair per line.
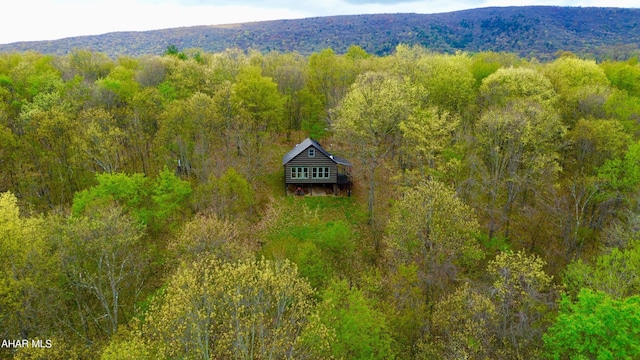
311, 170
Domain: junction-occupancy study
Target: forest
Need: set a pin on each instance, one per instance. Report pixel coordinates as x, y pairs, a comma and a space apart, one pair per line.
495, 211
529, 31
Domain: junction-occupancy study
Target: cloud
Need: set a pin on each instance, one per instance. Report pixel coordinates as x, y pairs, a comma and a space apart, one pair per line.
371, 2
252, 3
301, 4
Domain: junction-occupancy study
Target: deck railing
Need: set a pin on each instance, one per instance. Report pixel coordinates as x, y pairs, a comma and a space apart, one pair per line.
344, 179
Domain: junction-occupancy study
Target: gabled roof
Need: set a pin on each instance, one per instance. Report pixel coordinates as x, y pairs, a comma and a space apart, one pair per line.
304, 145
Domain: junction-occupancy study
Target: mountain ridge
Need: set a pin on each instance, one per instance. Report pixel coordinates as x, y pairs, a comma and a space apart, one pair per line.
532, 31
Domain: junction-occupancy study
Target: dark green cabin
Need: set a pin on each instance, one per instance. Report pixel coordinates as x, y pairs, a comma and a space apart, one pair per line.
311, 170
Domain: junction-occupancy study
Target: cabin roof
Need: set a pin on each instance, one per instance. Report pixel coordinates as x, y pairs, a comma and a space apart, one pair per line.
304, 145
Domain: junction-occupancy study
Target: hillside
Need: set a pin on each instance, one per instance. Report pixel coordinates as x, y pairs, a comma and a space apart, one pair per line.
538, 31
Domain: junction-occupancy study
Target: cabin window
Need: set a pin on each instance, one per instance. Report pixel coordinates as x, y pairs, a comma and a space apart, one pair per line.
312, 152
320, 173
299, 172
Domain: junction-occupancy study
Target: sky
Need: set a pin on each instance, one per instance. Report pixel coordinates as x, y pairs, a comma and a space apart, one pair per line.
33, 20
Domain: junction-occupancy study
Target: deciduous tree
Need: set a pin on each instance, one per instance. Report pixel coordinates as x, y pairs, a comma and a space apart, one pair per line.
30, 293
208, 235
368, 121
462, 327
105, 266
432, 227
189, 132
524, 295
151, 202
615, 272
230, 196
581, 85
247, 310
361, 332
258, 109
425, 135
509, 84
596, 326
624, 75
448, 82
330, 78
516, 150
102, 140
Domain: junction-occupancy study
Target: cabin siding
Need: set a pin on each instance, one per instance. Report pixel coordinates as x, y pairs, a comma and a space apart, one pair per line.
337, 182
319, 160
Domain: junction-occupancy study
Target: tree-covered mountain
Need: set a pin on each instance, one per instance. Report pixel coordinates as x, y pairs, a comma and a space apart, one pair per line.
538, 31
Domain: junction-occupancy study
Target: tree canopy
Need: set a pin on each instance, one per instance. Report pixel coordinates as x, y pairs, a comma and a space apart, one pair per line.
493, 210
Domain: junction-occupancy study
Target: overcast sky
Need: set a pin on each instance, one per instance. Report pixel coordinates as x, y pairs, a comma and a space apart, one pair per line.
28, 20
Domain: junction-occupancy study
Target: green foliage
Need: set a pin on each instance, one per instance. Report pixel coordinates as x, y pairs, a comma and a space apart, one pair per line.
623, 75
507, 85
152, 203
126, 349
581, 85
27, 263
524, 296
487, 62
495, 244
623, 174
330, 77
131, 192
544, 153
355, 52
432, 225
361, 330
315, 128
167, 90
516, 150
172, 50
258, 96
61, 349
188, 132
169, 195
105, 266
614, 273
102, 140
90, 65
448, 82
229, 196
289, 71
207, 235
368, 119
463, 327
433, 229
518, 274
249, 309
595, 326
568, 73
322, 249
49, 133
184, 77
372, 110
624, 107
426, 136
406, 307
121, 82
593, 142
